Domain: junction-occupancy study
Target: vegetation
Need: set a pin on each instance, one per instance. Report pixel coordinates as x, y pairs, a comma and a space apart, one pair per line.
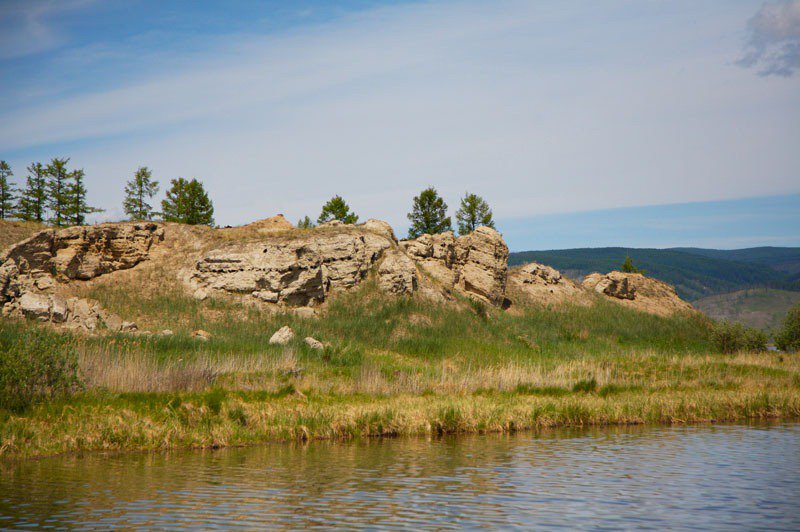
77, 208
35, 364
788, 337
7, 192
693, 275
473, 213
58, 196
187, 202
428, 214
735, 337
762, 308
628, 267
305, 223
138, 192
33, 200
337, 209
391, 366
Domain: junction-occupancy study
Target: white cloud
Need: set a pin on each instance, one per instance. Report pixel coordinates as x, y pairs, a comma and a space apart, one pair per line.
26, 25
539, 107
774, 43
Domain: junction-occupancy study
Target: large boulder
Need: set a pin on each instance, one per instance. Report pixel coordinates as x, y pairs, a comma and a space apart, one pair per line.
397, 273
638, 292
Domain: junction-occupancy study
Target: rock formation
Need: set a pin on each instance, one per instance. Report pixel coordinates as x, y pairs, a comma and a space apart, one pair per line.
637, 291
474, 264
545, 285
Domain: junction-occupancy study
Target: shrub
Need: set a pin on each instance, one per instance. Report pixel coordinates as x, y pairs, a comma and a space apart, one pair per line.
734, 337
788, 337
35, 365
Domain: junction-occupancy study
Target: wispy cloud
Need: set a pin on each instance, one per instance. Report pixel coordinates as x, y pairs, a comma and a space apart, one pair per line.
774, 39
26, 26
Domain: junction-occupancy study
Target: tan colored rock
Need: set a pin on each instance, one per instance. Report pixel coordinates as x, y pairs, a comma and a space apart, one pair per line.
381, 228
636, 291
313, 343
397, 273
545, 285
202, 335
36, 306
276, 224
282, 336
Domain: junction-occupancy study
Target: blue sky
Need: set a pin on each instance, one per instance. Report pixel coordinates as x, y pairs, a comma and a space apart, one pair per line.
589, 119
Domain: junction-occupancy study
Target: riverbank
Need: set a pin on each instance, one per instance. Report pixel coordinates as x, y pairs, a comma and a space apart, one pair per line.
391, 366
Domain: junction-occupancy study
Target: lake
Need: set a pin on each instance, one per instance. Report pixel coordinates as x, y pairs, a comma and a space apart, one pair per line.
718, 476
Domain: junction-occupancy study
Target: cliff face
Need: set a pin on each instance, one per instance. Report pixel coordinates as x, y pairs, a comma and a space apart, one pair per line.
271, 263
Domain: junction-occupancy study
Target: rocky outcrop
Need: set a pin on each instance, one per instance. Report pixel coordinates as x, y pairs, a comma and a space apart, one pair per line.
397, 273
637, 291
545, 285
474, 264
299, 270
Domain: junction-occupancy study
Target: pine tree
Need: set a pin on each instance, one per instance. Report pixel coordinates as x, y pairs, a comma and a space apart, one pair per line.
428, 214
32, 204
337, 209
137, 193
188, 203
628, 267
7, 192
305, 223
58, 193
77, 208
473, 212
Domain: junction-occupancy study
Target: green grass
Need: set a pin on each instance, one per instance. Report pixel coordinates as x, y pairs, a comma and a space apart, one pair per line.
391, 366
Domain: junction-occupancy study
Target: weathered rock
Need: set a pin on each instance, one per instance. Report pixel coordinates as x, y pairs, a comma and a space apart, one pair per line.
282, 336
638, 292
276, 224
166, 332
200, 334
380, 227
545, 285
36, 306
128, 326
313, 343
474, 264
397, 273
296, 271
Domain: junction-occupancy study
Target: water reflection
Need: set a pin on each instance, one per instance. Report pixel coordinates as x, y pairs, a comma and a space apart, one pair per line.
721, 476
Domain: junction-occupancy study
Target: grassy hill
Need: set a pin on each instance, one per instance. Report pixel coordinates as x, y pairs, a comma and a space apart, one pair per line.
762, 308
13, 232
695, 273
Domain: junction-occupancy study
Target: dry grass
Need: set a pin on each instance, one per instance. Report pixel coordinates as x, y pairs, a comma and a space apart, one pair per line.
13, 232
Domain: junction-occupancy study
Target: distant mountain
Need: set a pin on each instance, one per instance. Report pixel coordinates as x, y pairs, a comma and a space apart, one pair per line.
694, 272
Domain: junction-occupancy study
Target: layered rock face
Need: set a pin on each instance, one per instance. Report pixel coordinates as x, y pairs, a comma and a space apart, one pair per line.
296, 271
638, 292
544, 284
32, 271
474, 264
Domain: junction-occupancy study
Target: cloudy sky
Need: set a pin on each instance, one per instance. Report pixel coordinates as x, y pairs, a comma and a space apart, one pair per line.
577, 121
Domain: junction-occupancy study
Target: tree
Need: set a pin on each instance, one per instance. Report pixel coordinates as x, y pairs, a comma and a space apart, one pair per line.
33, 200
788, 337
77, 208
7, 192
58, 193
628, 266
337, 209
473, 212
187, 202
428, 214
305, 223
138, 191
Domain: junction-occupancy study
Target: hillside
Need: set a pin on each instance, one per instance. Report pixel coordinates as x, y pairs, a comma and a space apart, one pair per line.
12, 232
761, 308
695, 273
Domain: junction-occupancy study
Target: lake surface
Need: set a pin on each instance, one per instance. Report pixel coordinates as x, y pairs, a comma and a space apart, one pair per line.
728, 477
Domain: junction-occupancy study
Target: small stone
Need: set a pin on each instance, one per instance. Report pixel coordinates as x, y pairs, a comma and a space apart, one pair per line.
313, 343
282, 336
201, 294
200, 334
166, 332
58, 309
128, 326
266, 295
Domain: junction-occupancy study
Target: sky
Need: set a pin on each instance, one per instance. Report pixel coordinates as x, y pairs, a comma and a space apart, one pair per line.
650, 124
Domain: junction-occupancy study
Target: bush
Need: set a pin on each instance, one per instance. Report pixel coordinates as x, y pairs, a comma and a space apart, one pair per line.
734, 337
35, 365
788, 337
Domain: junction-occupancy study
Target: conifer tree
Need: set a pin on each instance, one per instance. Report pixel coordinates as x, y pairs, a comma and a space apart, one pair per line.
7, 191
305, 223
58, 191
77, 208
187, 202
138, 191
32, 205
628, 267
428, 214
473, 212
337, 209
